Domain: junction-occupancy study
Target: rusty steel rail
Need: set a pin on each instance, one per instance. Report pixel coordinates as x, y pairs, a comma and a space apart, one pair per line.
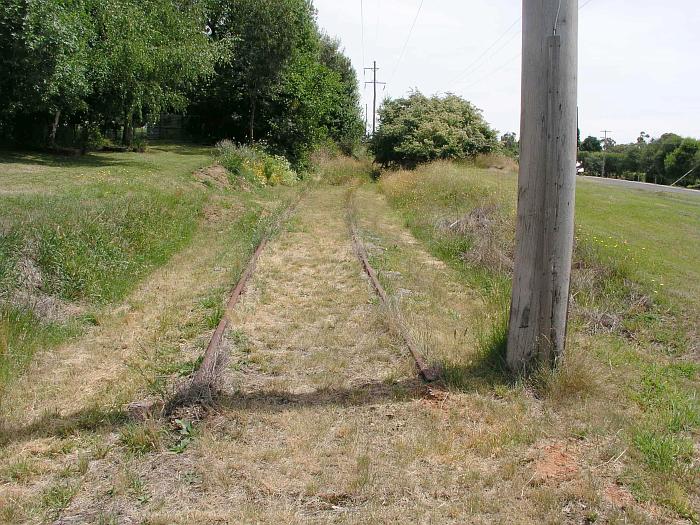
428, 373
207, 372
201, 387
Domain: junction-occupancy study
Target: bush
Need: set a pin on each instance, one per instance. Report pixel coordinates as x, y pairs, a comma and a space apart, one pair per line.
421, 129
255, 165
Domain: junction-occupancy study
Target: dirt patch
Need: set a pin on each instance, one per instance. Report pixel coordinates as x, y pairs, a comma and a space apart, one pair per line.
618, 496
215, 175
557, 462
436, 397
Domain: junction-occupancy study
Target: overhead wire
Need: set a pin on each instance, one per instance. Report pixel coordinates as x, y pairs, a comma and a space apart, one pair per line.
494, 71
376, 24
408, 38
469, 69
478, 60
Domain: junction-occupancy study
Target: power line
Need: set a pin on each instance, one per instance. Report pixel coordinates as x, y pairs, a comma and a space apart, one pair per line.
471, 69
362, 22
376, 25
405, 45
483, 55
493, 72
482, 63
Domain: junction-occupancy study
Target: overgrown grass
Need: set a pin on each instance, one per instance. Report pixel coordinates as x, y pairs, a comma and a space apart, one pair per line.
255, 165
79, 233
336, 169
634, 305
22, 334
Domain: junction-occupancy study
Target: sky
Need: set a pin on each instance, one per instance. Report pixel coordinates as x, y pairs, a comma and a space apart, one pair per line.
639, 60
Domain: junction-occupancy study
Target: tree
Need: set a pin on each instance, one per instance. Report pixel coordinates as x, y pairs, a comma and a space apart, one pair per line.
147, 56
420, 129
93, 62
343, 119
591, 144
267, 35
643, 138
43, 64
510, 145
681, 160
286, 85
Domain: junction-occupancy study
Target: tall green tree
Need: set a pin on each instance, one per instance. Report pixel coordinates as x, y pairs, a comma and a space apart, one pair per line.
146, 56
266, 36
591, 144
287, 85
44, 49
682, 160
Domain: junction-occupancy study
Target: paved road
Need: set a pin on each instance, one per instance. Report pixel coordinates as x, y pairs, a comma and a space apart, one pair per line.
644, 186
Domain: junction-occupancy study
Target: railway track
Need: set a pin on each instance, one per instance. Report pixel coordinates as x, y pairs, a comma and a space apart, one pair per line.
201, 388
427, 372
203, 383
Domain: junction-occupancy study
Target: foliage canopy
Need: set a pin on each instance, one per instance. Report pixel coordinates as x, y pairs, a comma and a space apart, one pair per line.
245, 69
661, 161
420, 129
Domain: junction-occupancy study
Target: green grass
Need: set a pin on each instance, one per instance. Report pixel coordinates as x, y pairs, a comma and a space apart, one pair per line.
637, 255
661, 231
80, 233
141, 438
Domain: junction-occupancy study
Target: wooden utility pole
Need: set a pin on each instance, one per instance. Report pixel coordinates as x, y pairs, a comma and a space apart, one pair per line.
546, 184
374, 82
605, 148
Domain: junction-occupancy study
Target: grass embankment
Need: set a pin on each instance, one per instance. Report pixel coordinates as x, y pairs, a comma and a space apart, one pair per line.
152, 314
630, 369
80, 233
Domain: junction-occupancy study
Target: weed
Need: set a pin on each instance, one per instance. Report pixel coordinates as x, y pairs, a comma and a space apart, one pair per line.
663, 452
57, 497
186, 434
141, 438
20, 471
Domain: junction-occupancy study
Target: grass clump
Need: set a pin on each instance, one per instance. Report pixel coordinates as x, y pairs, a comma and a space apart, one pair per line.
22, 334
663, 452
336, 169
141, 438
255, 165
57, 497
18, 471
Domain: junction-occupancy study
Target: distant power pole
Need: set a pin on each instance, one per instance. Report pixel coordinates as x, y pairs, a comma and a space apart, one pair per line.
366, 117
374, 82
605, 148
546, 184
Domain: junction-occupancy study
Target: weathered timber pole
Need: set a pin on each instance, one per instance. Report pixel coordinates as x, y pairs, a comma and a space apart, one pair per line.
546, 184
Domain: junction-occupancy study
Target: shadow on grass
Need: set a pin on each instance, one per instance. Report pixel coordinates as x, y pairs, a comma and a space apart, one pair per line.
185, 148
89, 160
96, 419
98, 159
488, 369
53, 424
